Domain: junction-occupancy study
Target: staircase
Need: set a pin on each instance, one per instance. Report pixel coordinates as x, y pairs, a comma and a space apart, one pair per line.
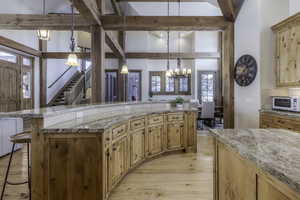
72, 89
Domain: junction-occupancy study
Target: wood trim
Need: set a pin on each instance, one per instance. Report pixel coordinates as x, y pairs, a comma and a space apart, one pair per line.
138, 55
227, 75
228, 9
114, 45
34, 22
97, 57
89, 9
150, 23
116, 7
294, 19
18, 46
43, 74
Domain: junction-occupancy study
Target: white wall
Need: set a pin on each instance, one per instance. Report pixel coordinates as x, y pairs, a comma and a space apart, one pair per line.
294, 6
253, 36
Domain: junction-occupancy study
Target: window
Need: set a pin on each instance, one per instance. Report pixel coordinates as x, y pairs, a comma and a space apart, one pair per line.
8, 57
155, 83
183, 84
26, 85
162, 85
134, 86
207, 81
170, 84
26, 61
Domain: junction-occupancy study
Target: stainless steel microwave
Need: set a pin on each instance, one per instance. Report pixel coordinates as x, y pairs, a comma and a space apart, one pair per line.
286, 103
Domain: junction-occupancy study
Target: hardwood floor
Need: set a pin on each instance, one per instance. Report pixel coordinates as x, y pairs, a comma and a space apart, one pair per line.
179, 176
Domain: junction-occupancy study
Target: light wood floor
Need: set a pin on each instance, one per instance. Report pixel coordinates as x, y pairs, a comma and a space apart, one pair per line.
179, 176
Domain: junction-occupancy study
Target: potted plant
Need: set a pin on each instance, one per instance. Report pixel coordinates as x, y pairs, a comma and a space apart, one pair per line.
179, 102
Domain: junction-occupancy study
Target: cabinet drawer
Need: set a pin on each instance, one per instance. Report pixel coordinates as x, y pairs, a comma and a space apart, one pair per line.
119, 131
155, 119
137, 123
175, 117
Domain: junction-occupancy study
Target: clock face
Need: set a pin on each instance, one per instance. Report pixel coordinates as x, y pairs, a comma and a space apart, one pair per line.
245, 70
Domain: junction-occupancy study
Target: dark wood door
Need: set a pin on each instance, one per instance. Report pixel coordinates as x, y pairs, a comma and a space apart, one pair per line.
9, 86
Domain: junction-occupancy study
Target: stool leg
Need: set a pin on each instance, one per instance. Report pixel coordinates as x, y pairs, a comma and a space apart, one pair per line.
7, 171
29, 170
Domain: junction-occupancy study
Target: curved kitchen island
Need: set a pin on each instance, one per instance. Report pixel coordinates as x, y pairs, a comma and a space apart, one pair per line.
84, 152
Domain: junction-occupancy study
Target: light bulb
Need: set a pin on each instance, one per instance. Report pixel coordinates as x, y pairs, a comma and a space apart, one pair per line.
72, 60
189, 71
43, 34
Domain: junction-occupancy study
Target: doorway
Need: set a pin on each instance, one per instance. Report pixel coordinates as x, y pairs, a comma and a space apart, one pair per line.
134, 86
16, 81
111, 85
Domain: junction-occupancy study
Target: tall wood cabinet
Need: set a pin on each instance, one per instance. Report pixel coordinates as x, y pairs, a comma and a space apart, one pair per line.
287, 34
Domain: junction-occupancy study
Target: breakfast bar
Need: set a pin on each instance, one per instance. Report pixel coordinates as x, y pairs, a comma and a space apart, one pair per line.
256, 164
83, 152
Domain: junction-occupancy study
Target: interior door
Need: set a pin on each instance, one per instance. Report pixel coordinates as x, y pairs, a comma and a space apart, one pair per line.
155, 139
134, 86
175, 136
9, 85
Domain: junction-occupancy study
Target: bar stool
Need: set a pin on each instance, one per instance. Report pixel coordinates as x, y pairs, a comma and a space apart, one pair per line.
20, 138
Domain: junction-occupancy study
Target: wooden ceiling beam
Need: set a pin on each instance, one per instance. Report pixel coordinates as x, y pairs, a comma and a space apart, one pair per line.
114, 45
19, 47
138, 55
116, 7
34, 22
230, 8
151, 23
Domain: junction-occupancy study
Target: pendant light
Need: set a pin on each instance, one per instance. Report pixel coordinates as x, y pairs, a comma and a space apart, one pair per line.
124, 69
72, 58
43, 34
169, 72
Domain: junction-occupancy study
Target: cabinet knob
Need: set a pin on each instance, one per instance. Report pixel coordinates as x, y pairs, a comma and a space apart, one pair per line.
107, 139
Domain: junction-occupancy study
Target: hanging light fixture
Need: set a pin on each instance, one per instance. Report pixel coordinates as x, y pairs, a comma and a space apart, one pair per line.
169, 72
179, 71
43, 34
124, 69
72, 58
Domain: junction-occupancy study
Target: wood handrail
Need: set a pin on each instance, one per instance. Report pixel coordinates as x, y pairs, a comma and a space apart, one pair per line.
59, 77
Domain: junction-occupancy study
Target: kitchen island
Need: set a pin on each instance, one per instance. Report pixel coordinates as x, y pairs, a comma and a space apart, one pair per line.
256, 164
83, 152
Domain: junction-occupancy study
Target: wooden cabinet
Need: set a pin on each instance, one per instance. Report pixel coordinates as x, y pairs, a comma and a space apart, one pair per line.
273, 120
175, 133
96, 162
118, 159
288, 51
155, 139
137, 147
236, 178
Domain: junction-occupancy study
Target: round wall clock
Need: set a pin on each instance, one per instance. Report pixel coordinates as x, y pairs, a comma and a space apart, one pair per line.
245, 70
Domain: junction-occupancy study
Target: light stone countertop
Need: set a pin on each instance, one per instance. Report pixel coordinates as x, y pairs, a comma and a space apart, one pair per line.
275, 151
280, 112
97, 123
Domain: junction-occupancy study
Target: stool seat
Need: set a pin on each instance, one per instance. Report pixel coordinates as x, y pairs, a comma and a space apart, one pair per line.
21, 138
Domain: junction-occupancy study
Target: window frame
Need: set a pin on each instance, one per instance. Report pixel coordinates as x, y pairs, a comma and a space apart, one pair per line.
163, 83
216, 86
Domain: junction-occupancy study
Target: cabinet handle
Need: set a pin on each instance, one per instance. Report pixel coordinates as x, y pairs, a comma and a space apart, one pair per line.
114, 148
155, 119
107, 139
137, 124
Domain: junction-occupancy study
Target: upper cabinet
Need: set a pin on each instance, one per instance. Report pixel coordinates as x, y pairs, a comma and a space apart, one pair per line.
288, 51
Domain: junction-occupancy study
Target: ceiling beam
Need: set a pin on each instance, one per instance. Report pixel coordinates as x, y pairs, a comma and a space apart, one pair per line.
116, 7
34, 22
91, 11
138, 55
151, 23
114, 45
230, 8
19, 47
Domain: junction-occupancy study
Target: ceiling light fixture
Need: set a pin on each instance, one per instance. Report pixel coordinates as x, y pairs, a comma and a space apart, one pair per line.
124, 69
72, 58
43, 34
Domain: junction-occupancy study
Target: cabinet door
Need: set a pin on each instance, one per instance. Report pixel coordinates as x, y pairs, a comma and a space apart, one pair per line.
137, 147
283, 57
155, 139
118, 159
266, 190
175, 135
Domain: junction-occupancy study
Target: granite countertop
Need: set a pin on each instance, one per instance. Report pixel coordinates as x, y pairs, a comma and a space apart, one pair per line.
280, 112
54, 110
97, 124
275, 151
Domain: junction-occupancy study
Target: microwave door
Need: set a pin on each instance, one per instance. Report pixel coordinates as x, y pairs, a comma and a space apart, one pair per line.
282, 103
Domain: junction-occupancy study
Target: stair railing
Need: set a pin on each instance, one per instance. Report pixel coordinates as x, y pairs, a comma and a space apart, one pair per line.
74, 96
50, 86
